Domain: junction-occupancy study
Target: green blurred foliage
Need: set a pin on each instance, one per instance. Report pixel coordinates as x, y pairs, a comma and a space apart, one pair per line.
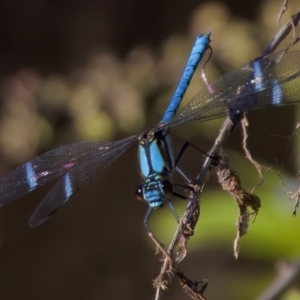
273, 234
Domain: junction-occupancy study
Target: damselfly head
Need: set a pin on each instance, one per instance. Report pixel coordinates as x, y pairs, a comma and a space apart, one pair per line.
154, 192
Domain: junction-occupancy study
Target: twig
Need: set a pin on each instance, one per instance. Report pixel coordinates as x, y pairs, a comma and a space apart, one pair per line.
288, 273
283, 33
189, 220
282, 10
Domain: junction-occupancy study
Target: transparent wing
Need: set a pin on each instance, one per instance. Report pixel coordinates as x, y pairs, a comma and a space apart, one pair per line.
77, 176
269, 81
58, 162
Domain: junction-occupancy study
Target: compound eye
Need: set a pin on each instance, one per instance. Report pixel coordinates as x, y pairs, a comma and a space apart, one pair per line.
167, 186
139, 193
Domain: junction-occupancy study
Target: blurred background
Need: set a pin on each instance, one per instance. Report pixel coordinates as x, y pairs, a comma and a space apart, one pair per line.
103, 70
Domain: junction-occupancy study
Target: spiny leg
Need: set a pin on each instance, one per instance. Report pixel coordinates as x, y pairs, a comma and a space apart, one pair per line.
158, 244
180, 154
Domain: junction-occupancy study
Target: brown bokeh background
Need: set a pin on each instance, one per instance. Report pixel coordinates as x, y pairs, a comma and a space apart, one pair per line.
72, 71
